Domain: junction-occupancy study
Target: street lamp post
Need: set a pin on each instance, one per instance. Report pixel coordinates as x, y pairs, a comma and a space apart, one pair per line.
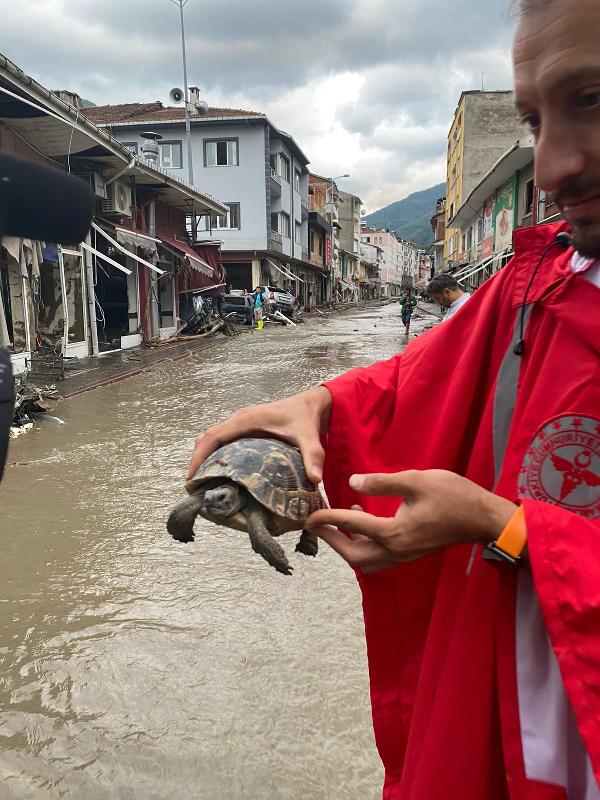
188, 129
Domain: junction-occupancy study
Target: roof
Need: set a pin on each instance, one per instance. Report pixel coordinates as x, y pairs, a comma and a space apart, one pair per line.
156, 112
61, 132
142, 114
516, 158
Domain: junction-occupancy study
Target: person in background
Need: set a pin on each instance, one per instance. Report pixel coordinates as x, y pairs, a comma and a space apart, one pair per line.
259, 299
447, 293
408, 302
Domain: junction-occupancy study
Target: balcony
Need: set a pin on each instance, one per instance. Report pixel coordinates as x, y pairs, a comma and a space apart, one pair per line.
276, 242
275, 183
304, 206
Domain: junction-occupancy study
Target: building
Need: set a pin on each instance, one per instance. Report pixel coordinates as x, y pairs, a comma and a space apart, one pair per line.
438, 225
325, 201
349, 218
485, 125
258, 169
123, 284
399, 264
372, 257
425, 269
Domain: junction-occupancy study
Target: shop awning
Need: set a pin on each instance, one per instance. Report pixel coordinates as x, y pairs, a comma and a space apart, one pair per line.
180, 249
289, 275
483, 265
134, 239
125, 251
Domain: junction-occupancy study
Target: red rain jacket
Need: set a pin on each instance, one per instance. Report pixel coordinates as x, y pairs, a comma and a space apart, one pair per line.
443, 641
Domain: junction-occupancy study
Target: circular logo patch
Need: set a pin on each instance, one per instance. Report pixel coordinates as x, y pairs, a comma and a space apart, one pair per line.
562, 465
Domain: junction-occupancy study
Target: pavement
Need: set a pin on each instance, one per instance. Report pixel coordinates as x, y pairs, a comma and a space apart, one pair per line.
91, 373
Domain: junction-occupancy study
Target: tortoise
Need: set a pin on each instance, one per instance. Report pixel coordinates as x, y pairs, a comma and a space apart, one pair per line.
253, 485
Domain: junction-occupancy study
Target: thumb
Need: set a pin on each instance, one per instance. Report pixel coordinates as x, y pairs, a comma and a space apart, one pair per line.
393, 484
313, 456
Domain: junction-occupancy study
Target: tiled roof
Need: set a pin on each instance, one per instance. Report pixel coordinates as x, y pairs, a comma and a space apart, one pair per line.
154, 112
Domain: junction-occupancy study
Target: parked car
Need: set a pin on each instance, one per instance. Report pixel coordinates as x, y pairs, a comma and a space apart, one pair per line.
283, 301
240, 307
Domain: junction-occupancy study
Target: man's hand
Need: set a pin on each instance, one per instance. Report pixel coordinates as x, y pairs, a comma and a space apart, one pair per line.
299, 419
440, 509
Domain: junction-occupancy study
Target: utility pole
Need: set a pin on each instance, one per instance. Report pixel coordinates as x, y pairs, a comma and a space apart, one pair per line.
188, 127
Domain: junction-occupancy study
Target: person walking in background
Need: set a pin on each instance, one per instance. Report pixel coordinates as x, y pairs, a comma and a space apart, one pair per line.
408, 302
259, 298
447, 293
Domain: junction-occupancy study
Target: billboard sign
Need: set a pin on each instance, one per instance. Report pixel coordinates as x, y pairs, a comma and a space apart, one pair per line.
487, 242
504, 213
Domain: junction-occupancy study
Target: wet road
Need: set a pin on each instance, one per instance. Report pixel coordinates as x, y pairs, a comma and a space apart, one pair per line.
134, 667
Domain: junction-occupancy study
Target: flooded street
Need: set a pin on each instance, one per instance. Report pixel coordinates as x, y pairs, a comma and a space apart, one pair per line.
135, 667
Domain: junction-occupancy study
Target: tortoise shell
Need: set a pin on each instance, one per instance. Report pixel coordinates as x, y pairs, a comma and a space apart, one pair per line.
271, 470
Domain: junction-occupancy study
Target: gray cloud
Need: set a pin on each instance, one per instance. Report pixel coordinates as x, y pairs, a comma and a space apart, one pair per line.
409, 60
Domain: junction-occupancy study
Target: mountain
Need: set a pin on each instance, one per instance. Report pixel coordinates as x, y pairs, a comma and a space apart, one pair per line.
410, 218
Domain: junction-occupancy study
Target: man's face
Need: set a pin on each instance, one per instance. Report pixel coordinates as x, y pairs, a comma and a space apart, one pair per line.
444, 299
557, 86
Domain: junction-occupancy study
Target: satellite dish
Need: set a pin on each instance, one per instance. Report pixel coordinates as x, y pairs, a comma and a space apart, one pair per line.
176, 95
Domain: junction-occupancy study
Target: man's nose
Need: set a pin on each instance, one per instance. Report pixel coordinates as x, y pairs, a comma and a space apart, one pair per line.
559, 157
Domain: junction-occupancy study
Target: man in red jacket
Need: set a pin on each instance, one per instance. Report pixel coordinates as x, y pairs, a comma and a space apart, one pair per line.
485, 674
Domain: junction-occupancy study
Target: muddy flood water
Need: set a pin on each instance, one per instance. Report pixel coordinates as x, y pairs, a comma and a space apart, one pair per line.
135, 667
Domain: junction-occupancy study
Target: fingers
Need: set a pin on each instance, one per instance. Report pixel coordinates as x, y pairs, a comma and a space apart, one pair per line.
242, 423
313, 455
362, 554
354, 522
395, 484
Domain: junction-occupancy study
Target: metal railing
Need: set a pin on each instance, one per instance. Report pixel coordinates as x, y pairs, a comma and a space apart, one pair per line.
275, 176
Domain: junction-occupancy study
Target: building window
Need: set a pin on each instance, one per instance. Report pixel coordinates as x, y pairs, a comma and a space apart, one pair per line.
298, 232
230, 220
284, 164
297, 180
311, 241
320, 245
275, 222
480, 230
529, 186
221, 153
131, 146
284, 223
170, 155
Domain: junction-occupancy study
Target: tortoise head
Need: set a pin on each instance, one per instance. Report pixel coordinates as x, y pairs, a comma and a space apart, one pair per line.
223, 500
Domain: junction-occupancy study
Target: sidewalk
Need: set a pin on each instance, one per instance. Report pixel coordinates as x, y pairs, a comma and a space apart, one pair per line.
92, 373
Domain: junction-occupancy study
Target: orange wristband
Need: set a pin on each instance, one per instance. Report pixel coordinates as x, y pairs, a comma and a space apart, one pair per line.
511, 543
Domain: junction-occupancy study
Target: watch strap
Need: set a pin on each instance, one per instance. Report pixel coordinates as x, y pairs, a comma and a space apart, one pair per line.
511, 543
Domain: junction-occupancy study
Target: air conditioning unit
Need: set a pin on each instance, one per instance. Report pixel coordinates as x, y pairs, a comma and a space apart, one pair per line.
96, 183
118, 199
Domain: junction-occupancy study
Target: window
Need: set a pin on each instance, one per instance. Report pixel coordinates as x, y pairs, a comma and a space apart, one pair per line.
132, 146
285, 225
170, 155
298, 232
463, 243
221, 153
480, 230
320, 245
529, 197
297, 180
311, 241
230, 220
284, 163
275, 222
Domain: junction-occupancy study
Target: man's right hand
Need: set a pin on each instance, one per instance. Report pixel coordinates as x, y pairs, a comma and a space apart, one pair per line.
299, 419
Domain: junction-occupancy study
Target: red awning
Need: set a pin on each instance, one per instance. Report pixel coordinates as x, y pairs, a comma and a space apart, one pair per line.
183, 249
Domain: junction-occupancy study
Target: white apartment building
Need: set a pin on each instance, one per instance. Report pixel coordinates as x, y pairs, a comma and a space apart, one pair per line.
242, 157
400, 261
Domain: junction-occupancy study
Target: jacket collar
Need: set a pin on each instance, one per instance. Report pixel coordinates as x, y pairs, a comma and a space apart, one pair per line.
529, 245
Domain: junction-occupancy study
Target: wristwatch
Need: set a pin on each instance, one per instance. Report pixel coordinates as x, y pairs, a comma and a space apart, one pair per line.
510, 545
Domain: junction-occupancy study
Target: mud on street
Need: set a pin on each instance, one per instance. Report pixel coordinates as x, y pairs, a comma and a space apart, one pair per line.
135, 667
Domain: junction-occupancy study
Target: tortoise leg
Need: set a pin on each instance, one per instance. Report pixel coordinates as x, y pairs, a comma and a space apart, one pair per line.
181, 520
308, 544
262, 542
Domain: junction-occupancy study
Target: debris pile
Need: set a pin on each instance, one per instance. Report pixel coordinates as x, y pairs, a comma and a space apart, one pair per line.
29, 406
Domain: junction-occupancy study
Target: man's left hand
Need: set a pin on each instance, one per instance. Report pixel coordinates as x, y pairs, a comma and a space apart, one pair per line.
440, 509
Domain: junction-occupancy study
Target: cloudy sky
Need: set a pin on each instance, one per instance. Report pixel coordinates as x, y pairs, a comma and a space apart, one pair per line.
367, 87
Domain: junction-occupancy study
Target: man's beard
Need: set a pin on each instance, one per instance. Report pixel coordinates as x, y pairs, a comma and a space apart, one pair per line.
585, 234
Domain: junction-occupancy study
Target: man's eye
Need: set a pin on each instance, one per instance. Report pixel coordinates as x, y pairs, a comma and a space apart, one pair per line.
589, 99
531, 121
